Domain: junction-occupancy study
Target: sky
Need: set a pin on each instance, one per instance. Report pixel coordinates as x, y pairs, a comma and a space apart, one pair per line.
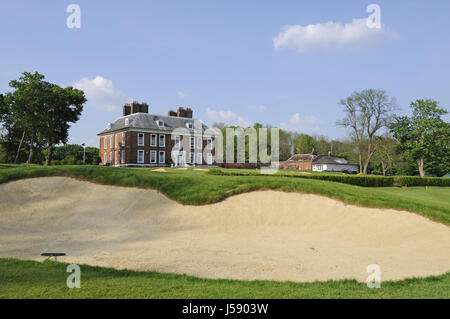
284, 63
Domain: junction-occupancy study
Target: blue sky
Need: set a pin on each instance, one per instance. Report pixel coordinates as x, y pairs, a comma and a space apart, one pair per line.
230, 61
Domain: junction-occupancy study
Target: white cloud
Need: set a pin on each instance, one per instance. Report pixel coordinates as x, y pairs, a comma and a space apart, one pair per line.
330, 35
100, 93
227, 117
182, 94
301, 124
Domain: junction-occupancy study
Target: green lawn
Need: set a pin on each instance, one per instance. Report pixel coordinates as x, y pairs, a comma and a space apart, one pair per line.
199, 187
29, 279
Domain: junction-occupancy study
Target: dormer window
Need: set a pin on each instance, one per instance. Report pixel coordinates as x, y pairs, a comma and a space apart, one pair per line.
189, 125
160, 123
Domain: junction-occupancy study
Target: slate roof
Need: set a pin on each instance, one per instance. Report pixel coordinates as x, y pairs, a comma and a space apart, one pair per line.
148, 121
332, 160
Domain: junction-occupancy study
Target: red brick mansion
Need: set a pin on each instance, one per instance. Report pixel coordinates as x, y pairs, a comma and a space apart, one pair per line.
142, 139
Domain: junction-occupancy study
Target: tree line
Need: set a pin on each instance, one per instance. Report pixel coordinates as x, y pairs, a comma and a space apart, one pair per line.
379, 140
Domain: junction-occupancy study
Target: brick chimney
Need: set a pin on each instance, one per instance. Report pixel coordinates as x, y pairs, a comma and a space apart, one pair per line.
126, 109
139, 107
172, 113
181, 112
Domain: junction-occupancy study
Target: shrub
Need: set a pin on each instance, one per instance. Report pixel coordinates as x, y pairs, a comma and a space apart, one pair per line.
359, 180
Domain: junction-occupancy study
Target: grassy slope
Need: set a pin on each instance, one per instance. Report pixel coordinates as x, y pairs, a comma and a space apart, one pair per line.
197, 188
29, 279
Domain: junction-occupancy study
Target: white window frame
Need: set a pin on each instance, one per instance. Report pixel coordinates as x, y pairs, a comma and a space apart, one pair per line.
192, 158
163, 144
110, 158
143, 139
140, 152
110, 141
116, 160
199, 142
162, 159
189, 125
151, 139
160, 123
105, 158
152, 160
192, 142
209, 159
209, 143
123, 157
115, 141
177, 141
199, 158
105, 142
123, 139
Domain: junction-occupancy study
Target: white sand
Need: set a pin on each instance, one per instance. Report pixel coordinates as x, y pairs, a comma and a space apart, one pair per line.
259, 235
161, 170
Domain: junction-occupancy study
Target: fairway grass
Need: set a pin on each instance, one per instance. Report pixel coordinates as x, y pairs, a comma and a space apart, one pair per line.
31, 279
199, 188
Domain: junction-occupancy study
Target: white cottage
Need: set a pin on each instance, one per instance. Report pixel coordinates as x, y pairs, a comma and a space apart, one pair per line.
334, 164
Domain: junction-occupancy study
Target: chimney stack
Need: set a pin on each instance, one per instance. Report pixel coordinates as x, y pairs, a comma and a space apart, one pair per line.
135, 107
126, 109
181, 112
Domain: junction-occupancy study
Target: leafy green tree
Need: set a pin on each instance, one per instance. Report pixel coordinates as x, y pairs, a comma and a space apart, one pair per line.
322, 145
64, 106
38, 113
425, 137
285, 144
25, 107
303, 144
385, 155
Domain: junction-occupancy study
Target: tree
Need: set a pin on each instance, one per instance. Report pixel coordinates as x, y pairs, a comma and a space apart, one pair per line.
385, 155
367, 112
425, 137
303, 144
322, 145
285, 144
25, 107
64, 106
38, 113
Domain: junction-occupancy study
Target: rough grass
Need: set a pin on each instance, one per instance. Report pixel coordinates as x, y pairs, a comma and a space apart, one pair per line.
30, 279
199, 188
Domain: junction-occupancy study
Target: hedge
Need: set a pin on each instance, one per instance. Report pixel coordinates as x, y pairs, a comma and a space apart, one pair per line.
360, 180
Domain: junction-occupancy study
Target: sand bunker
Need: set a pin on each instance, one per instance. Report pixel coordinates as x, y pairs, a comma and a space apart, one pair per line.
161, 170
259, 235
201, 169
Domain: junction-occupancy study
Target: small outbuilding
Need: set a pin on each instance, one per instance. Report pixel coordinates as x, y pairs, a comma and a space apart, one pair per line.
334, 164
299, 161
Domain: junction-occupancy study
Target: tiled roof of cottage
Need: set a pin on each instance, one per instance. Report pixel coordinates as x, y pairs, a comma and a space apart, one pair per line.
149, 122
301, 158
